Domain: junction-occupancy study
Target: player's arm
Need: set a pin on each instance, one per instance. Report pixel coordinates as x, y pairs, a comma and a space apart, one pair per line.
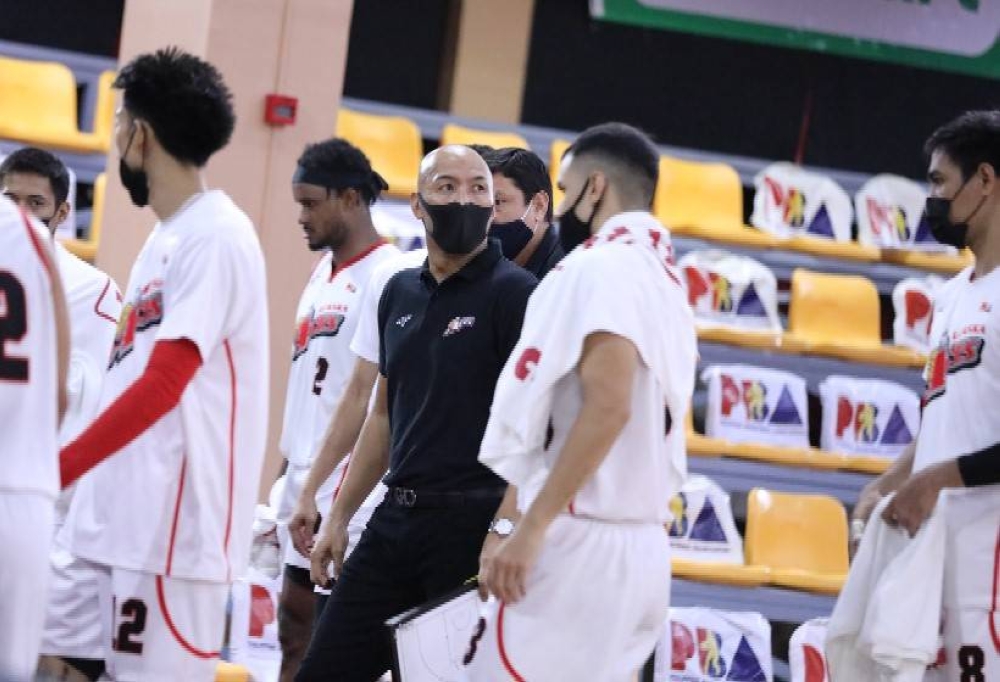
340, 437
369, 463
607, 372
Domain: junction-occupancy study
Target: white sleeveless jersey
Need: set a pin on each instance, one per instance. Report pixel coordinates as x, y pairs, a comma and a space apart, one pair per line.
93, 303
322, 361
962, 371
179, 499
29, 422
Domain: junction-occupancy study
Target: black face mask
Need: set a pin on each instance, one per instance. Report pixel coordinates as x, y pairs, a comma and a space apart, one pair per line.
572, 230
135, 182
458, 228
513, 236
938, 211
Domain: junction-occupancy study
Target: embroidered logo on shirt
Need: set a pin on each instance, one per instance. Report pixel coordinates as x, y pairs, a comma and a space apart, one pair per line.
146, 312
401, 322
458, 324
323, 322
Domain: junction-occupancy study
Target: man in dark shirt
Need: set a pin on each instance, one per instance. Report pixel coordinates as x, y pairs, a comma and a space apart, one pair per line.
522, 216
445, 331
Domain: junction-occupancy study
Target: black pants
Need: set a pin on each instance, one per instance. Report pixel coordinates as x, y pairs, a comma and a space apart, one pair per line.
406, 556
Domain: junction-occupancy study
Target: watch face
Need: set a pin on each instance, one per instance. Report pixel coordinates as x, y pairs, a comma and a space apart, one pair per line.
503, 527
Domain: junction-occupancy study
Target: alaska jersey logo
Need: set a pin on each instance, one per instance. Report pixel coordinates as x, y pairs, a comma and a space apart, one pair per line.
146, 312
322, 323
951, 357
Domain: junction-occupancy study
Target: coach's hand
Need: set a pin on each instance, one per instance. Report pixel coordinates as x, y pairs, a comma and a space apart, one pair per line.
490, 545
302, 526
507, 574
915, 499
331, 545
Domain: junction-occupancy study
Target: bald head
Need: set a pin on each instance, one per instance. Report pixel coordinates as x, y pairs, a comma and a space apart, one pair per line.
453, 162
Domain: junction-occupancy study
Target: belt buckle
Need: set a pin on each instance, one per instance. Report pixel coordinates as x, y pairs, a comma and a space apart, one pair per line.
405, 497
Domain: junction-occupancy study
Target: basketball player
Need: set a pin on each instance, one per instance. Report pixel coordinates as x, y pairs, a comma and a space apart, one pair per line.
959, 439
586, 426
335, 186
166, 523
39, 183
34, 348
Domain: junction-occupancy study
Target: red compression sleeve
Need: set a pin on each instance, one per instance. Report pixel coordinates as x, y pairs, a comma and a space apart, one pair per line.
171, 366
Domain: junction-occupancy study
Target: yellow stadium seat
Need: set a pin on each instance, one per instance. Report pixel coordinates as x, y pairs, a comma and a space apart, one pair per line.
838, 316
87, 248
392, 144
230, 672
556, 151
867, 464
699, 445
104, 113
705, 200
946, 263
801, 539
38, 106
720, 573
833, 249
456, 134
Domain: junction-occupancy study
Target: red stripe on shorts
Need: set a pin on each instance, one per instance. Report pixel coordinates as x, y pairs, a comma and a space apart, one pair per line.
508, 666
198, 653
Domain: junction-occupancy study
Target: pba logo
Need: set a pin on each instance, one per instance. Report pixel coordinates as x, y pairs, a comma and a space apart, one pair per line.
791, 202
323, 323
712, 661
710, 653
719, 291
888, 220
862, 419
753, 395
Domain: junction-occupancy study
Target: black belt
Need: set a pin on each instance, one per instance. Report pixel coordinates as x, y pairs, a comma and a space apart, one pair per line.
407, 497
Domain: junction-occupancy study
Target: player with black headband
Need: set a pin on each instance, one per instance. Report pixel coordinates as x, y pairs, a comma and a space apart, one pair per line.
335, 186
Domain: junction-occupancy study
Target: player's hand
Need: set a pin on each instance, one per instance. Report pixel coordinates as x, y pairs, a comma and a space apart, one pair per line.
302, 526
867, 501
331, 545
915, 499
490, 545
507, 575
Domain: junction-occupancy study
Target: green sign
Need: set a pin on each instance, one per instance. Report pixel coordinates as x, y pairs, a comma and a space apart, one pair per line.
961, 36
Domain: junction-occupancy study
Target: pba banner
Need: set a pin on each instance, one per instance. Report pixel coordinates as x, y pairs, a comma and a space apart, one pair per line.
705, 645
949, 35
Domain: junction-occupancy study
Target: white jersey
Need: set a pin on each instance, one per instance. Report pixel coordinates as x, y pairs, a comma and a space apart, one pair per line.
29, 420
325, 322
93, 303
179, 499
365, 341
963, 370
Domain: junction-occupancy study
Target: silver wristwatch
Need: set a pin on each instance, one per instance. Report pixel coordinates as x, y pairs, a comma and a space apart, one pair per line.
502, 527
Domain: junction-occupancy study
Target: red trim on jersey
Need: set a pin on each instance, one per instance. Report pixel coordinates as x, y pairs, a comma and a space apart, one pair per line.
172, 365
996, 589
343, 475
197, 653
232, 451
177, 516
572, 506
337, 267
97, 304
39, 249
508, 666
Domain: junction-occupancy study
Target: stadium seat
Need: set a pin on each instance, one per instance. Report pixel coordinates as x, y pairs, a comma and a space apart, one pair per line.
705, 200
392, 144
456, 134
38, 105
230, 672
104, 113
801, 539
838, 316
87, 248
720, 573
946, 263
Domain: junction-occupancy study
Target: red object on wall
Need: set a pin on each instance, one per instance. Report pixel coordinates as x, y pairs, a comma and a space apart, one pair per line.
280, 110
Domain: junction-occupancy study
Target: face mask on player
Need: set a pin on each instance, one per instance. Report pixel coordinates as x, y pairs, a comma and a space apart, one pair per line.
136, 182
946, 231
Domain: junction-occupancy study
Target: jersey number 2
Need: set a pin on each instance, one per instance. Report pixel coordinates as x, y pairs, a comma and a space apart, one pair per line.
132, 626
321, 369
13, 326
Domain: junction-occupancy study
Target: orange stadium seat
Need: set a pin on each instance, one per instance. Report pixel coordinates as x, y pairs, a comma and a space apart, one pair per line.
800, 539
705, 200
392, 144
38, 105
104, 114
87, 248
456, 134
838, 316
229, 672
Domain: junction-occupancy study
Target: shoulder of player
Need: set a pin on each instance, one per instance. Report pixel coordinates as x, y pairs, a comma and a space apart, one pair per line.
79, 275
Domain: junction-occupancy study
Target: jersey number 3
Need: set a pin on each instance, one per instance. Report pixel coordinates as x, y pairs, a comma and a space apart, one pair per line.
13, 326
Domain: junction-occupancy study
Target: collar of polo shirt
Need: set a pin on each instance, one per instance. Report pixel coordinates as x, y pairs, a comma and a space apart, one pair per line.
482, 263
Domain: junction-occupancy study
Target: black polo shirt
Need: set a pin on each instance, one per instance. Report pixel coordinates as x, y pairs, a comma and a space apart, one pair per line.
441, 349
547, 254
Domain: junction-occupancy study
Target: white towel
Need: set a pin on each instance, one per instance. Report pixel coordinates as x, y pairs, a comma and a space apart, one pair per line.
622, 281
886, 624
